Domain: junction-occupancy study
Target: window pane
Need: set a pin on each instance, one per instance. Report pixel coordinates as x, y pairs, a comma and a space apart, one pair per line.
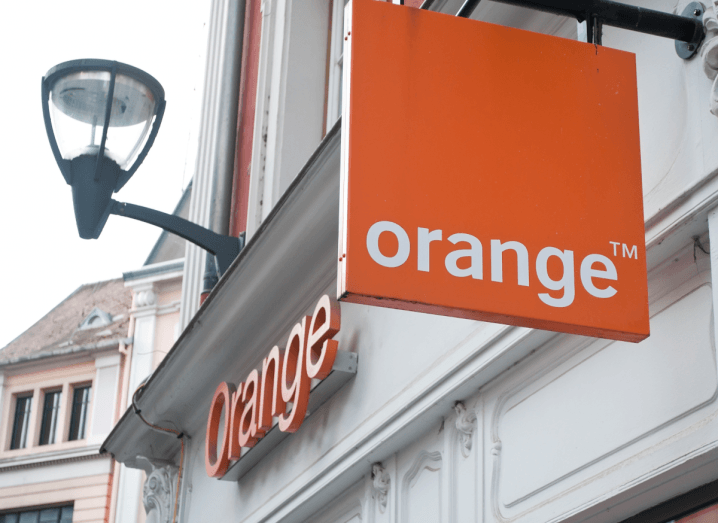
50, 412
336, 64
50, 515
47, 515
29, 517
80, 407
66, 516
21, 422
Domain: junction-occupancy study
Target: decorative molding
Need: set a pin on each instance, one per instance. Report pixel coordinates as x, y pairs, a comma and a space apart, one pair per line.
145, 298
380, 485
30, 359
583, 350
168, 308
709, 52
421, 462
52, 458
431, 461
496, 448
465, 423
158, 492
155, 272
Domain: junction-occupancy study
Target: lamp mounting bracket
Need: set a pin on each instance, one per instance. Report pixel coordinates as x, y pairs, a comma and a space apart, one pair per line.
224, 248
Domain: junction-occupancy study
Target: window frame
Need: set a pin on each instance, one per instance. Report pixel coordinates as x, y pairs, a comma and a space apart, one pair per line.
27, 421
335, 65
55, 411
37, 383
287, 119
29, 510
86, 402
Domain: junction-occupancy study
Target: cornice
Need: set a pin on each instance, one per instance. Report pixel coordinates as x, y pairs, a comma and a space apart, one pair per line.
52, 458
154, 272
67, 351
303, 226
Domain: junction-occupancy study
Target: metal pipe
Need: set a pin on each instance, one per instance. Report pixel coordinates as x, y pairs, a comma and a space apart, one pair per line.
226, 126
623, 16
468, 8
606, 12
427, 4
226, 120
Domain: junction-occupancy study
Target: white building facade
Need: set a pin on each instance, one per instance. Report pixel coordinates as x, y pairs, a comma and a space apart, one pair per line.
441, 419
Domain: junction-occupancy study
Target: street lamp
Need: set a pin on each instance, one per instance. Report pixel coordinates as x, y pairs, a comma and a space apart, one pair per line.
101, 119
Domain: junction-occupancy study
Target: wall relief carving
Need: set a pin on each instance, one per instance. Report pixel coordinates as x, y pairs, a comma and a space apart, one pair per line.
380, 485
709, 52
465, 423
159, 490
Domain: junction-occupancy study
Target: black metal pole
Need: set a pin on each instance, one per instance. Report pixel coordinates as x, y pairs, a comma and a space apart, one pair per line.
426, 4
225, 248
623, 16
606, 12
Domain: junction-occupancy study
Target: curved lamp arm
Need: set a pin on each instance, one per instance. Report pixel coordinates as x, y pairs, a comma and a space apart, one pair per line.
224, 248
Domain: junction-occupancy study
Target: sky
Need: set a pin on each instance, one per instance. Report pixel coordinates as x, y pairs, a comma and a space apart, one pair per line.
43, 260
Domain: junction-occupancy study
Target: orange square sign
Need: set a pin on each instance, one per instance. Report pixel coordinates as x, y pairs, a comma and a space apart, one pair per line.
490, 173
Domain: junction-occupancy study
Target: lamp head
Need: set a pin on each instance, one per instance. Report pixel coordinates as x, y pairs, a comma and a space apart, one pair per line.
101, 119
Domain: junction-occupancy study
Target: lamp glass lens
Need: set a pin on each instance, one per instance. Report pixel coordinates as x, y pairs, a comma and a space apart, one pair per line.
79, 106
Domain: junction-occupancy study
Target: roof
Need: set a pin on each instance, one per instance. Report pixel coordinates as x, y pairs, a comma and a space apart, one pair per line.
60, 329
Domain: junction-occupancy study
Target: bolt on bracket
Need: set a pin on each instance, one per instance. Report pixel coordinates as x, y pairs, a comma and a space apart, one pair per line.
687, 50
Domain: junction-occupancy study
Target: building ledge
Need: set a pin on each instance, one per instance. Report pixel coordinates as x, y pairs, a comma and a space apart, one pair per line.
56, 457
154, 270
64, 351
292, 254
344, 369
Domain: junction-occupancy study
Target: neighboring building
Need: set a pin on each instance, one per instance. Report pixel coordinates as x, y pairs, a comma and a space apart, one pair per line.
64, 382
156, 292
60, 388
445, 419
156, 289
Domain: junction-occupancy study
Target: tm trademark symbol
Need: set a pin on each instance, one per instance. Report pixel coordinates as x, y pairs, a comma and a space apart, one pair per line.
626, 252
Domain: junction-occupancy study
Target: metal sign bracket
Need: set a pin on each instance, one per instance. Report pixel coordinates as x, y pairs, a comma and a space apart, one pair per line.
686, 29
687, 50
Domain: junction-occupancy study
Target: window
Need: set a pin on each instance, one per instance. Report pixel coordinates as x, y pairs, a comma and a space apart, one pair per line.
50, 413
46, 515
291, 97
23, 404
96, 318
699, 505
78, 418
336, 63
